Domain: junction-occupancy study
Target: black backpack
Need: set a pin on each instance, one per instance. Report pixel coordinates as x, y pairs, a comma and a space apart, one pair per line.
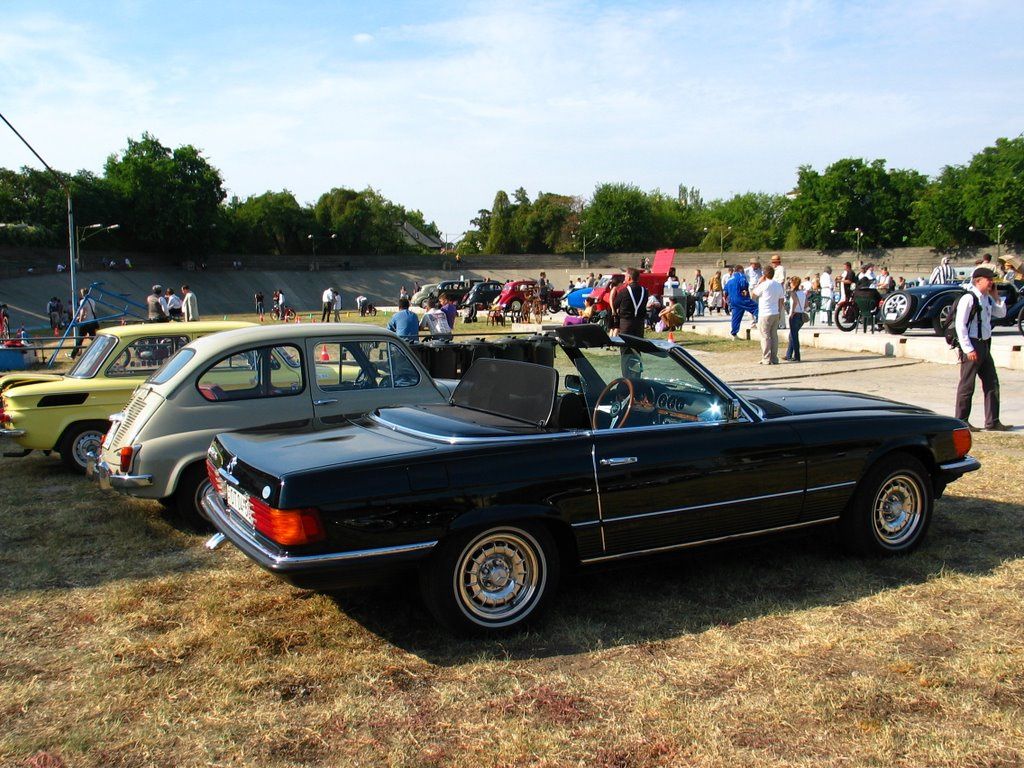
949, 325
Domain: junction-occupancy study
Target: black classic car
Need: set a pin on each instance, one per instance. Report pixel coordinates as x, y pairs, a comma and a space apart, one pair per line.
623, 447
928, 306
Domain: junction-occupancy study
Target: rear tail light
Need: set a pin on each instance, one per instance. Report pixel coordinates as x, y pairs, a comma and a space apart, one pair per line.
287, 526
211, 472
125, 456
962, 441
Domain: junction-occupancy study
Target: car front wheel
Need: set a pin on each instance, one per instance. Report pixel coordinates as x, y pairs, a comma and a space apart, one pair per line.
80, 443
891, 510
491, 581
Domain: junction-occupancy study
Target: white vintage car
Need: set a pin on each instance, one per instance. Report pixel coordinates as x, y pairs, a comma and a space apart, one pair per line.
270, 378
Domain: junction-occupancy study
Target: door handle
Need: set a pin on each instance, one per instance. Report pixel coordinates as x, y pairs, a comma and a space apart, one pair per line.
618, 462
325, 402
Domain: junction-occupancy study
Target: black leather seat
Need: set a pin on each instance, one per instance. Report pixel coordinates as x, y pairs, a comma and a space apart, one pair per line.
571, 412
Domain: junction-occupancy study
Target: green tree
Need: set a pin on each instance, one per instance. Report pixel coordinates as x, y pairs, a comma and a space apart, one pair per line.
854, 195
170, 198
273, 222
499, 239
621, 217
993, 190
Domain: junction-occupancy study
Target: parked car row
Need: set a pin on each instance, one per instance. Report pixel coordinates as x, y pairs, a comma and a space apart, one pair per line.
328, 455
69, 413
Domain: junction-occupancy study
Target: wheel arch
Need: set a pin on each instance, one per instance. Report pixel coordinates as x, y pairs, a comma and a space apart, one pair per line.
915, 447
513, 514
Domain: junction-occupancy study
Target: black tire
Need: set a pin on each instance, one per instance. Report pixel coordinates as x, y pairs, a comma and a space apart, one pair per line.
891, 510
847, 316
939, 321
515, 308
896, 330
897, 309
1020, 322
192, 485
79, 442
491, 581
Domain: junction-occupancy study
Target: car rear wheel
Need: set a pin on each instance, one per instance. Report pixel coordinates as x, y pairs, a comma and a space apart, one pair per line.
192, 486
891, 510
1020, 322
80, 443
491, 581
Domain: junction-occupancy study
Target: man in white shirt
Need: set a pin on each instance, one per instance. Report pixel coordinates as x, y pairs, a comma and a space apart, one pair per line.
770, 297
189, 305
780, 278
974, 313
328, 305
828, 288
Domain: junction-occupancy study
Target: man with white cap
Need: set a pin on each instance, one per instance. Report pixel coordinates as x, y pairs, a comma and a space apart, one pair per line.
974, 313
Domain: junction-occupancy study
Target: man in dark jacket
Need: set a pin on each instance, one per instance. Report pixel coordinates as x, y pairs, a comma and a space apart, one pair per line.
631, 304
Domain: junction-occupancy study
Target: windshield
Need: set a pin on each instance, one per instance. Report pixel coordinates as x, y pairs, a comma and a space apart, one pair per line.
92, 360
644, 386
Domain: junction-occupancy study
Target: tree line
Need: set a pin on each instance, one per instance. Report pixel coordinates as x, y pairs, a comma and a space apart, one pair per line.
172, 201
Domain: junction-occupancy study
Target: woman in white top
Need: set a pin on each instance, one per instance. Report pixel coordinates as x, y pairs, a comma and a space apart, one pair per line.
797, 318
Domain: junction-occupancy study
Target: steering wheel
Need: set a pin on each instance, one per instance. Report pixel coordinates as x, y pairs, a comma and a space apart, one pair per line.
619, 406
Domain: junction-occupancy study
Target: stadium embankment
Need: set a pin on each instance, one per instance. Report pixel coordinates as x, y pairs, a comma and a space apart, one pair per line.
224, 289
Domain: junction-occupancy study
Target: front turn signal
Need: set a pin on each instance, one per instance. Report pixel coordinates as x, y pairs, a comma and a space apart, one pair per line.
962, 441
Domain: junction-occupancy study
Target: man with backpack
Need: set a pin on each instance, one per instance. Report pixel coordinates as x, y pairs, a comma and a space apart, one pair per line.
974, 313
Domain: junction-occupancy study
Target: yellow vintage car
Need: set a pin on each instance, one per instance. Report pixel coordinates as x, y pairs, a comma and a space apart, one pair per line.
69, 413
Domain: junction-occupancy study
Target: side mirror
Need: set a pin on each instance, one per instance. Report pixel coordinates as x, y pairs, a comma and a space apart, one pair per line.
573, 383
735, 410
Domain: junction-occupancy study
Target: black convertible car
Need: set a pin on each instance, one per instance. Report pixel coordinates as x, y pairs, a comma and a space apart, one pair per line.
624, 447
927, 306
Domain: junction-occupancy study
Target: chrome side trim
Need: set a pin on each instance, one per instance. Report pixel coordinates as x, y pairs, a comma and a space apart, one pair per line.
214, 506
11, 432
713, 504
713, 540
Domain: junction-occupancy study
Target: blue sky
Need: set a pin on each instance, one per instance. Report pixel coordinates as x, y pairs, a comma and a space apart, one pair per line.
438, 105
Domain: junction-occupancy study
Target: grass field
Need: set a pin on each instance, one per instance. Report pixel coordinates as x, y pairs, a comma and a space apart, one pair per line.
125, 643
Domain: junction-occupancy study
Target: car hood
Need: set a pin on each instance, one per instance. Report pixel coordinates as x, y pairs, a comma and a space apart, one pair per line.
802, 402
20, 379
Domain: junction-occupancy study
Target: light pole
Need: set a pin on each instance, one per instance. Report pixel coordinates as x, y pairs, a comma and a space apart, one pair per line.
315, 267
73, 255
857, 231
591, 241
723, 232
93, 230
998, 229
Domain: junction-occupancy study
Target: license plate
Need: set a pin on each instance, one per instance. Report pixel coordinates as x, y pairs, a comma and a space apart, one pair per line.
890, 315
239, 502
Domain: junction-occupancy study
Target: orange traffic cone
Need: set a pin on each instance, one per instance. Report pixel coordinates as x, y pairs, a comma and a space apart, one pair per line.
671, 338
323, 354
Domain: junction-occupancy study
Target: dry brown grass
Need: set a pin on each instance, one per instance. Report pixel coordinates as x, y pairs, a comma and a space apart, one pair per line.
125, 643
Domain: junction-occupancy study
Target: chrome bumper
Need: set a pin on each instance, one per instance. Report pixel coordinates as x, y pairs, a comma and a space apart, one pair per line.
243, 537
9, 435
108, 479
954, 469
